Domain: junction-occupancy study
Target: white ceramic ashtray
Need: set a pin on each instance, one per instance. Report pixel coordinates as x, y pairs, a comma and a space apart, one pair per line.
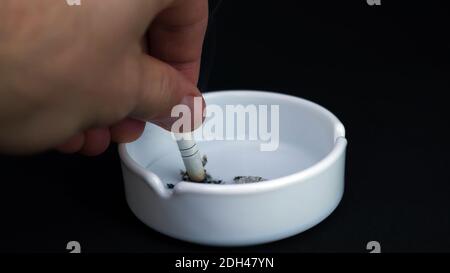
298, 148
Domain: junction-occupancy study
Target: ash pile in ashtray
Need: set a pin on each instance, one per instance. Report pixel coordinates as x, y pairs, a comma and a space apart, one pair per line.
247, 179
210, 180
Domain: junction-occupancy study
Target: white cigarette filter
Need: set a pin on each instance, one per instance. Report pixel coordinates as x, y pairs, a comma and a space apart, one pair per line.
192, 158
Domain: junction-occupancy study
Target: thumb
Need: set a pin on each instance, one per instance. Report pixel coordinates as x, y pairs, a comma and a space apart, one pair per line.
161, 88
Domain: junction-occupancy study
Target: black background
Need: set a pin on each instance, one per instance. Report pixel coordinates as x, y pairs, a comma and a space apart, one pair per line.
382, 70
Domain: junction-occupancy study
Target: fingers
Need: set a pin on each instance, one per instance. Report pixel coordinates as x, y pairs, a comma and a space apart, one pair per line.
93, 142
161, 87
176, 36
127, 130
73, 145
96, 141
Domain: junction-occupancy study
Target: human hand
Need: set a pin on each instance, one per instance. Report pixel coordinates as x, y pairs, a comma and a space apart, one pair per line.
77, 77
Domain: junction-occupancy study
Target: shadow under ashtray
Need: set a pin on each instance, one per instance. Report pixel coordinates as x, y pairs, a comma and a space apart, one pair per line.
254, 196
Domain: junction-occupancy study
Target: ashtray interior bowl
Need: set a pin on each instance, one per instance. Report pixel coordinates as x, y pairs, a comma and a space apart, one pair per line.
298, 149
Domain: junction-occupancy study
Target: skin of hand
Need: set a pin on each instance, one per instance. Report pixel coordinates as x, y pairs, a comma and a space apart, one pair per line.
78, 77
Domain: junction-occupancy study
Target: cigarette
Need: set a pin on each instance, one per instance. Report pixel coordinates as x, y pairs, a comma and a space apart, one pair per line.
192, 158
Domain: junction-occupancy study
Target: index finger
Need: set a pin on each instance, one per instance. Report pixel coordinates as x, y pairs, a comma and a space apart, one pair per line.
176, 36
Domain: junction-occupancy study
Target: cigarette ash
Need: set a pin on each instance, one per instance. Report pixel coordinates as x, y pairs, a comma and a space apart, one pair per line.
210, 180
247, 179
